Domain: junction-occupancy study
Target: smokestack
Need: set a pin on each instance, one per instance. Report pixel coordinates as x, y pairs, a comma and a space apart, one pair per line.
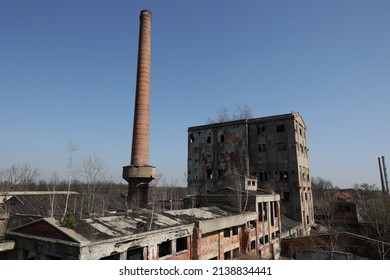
139, 173
140, 145
381, 174
385, 174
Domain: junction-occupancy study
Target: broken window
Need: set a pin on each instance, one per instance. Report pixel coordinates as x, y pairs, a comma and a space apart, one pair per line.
181, 244
283, 175
191, 138
165, 248
261, 148
253, 244
209, 174
226, 255
115, 256
226, 232
286, 197
222, 138
235, 230
280, 128
135, 254
260, 129
208, 139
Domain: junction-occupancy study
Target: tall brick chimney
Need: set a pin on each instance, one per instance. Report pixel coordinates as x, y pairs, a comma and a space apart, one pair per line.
139, 173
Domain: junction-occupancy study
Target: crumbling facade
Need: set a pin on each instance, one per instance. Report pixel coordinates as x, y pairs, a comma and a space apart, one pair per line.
273, 149
214, 232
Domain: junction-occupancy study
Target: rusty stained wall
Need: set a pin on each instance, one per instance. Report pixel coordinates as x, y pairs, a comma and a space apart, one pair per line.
279, 159
274, 149
214, 152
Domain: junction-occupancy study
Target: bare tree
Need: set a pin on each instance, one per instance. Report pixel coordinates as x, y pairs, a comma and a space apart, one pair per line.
242, 111
95, 173
325, 200
52, 187
20, 176
72, 149
374, 209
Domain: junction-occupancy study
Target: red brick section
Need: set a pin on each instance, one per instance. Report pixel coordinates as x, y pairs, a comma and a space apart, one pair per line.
140, 145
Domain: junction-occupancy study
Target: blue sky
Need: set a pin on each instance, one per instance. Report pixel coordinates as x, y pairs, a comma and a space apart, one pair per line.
68, 69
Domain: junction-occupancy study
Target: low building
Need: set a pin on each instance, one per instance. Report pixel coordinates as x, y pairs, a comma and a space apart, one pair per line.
209, 232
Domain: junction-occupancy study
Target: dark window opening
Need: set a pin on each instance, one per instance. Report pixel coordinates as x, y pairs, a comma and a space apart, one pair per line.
226, 256
112, 257
286, 197
272, 214
283, 175
222, 139
209, 139
226, 232
252, 224
181, 244
135, 254
260, 129
280, 128
209, 174
235, 230
253, 244
165, 248
307, 219
261, 148
192, 139
266, 239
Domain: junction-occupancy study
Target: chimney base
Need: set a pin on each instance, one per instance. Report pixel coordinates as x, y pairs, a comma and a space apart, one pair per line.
138, 178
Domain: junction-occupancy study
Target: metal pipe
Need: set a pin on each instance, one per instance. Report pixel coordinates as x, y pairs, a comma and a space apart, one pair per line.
385, 174
381, 174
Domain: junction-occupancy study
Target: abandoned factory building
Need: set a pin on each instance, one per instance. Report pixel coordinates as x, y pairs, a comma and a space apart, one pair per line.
272, 149
214, 232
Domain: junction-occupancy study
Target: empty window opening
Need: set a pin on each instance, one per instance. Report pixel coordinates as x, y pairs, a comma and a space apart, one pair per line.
165, 248
261, 148
280, 128
222, 138
181, 244
226, 232
112, 257
191, 138
135, 254
260, 129
209, 174
235, 230
208, 139
253, 244
226, 255
286, 197
283, 175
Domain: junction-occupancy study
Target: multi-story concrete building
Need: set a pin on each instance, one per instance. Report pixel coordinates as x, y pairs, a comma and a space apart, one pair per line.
274, 149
